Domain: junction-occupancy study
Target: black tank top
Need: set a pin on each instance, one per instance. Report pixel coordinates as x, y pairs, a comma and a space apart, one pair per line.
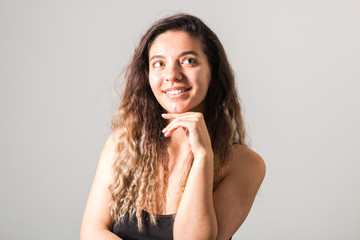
128, 230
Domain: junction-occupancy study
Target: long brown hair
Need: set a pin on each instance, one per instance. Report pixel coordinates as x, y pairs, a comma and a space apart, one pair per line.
141, 146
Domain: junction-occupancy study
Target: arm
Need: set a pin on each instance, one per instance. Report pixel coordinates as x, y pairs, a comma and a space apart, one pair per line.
235, 195
202, 213
97, 221
195, 218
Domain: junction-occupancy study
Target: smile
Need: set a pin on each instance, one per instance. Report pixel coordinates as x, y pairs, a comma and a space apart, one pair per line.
178, 91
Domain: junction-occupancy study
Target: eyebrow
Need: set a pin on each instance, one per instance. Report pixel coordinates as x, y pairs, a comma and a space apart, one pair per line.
180, 55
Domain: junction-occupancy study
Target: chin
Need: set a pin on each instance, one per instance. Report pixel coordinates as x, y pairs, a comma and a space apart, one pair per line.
184, 110
177, 111
175, 108
178, 108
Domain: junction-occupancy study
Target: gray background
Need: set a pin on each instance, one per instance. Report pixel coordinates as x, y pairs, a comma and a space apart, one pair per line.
297, 65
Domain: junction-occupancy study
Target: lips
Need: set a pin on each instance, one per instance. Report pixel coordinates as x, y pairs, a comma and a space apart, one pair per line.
176, 90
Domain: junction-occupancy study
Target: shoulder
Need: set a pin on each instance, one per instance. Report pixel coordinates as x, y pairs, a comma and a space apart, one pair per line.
107, 157
243, 175
244, 164
97, 215
108, 150
243, 158
114, 136
112, 142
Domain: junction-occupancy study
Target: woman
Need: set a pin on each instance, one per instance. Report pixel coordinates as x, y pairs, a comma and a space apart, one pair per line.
176, 164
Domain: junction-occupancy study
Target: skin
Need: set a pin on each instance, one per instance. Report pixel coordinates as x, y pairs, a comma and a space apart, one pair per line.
177, 61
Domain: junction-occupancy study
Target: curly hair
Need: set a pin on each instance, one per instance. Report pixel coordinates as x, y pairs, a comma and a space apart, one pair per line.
141, 146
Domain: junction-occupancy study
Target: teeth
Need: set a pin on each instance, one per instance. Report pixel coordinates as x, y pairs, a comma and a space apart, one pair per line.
176, 91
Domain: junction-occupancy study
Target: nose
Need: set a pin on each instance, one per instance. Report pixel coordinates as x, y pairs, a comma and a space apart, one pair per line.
173, 72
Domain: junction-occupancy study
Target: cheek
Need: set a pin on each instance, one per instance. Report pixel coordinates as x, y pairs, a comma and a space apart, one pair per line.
206, 78
154, 82
202, 79
194, 76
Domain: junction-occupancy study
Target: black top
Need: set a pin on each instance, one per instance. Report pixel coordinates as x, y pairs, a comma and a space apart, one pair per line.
128, 230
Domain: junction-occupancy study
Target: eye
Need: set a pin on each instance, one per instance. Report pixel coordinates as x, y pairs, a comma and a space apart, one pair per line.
158, 64
191, 61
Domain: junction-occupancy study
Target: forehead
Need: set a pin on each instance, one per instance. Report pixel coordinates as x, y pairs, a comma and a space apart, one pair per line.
175, 42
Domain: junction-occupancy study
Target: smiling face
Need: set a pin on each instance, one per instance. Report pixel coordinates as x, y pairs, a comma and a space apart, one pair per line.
179, 72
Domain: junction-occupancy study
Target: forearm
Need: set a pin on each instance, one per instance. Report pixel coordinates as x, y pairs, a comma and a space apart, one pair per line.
195, 218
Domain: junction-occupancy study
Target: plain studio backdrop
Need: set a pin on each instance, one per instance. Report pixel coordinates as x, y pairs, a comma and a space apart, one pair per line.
297, 65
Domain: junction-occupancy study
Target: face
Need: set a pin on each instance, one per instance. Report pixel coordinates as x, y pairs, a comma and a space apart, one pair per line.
179, 72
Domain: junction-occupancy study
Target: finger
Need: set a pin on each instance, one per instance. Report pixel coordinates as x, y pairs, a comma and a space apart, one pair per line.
191, 119
194, 117
171, 128
177, 115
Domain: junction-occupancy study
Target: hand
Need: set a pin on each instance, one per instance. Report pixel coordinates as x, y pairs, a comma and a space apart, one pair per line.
195, 128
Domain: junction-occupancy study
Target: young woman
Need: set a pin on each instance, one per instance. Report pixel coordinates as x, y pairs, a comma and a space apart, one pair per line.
176, 165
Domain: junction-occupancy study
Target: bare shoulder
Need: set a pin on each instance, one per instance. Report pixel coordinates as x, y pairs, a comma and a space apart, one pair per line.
113, 138
97, 215
109, 148
245, 163
242, 177
108, 156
